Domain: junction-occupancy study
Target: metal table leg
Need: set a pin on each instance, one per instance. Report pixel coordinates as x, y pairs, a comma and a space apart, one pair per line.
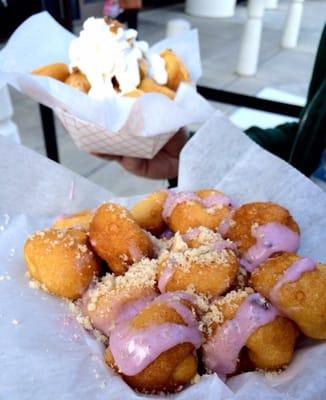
49, 134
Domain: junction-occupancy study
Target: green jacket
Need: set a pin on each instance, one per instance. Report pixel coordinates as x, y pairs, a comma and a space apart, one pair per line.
302, 143
299, 143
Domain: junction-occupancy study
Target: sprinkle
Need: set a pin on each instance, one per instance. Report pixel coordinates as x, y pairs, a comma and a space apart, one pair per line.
195, 379
82, 248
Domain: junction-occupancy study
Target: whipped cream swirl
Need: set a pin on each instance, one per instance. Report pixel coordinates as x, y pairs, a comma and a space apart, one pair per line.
109, 56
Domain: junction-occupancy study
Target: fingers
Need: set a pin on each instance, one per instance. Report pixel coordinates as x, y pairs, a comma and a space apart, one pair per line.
106, 157
176, 143
137, 166
164, 165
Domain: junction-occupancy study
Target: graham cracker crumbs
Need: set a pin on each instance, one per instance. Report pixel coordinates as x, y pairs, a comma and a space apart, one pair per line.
202, 255
203, 235
254, 227
208, 238
195, 379
100, 337
271, 374
201, 301
213, 317
231, 299
34, 284
242, 278
98, 289
212, 210
82, 319
37, 233
159, 245
85, 322
178, 244
123, 257
140, 274
207, 253
82, 248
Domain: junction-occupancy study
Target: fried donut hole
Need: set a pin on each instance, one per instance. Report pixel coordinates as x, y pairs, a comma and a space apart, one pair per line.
269, 347
115, 299
175, 68
148, 85
58, 71
148, 212
173, 368
303, 300
258, 213
207, 271
208, 208
117, 238
62, 261
78, 220
79, 81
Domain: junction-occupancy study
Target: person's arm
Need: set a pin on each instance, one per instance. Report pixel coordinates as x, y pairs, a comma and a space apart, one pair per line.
278, 140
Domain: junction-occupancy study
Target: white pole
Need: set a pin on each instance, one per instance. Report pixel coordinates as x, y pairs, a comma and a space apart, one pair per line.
251, 38
7, 126
211, 8
291, 28
271, 4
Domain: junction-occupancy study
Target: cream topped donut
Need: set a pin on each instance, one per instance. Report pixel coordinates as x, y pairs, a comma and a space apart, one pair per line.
109, 56
209, 269
240, 320
185, 210
116, 299
261, 230
296, 286
154, 351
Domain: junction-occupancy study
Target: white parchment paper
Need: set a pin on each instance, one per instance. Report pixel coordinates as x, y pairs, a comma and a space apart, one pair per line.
109, 126
45, 354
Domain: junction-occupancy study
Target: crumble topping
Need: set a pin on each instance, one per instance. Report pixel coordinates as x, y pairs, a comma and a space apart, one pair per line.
140, 274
